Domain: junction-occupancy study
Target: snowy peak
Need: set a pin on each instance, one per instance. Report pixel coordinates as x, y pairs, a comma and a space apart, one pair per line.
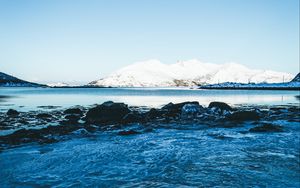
153, 73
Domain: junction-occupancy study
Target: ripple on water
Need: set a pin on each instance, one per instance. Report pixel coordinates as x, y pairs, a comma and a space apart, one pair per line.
164, 157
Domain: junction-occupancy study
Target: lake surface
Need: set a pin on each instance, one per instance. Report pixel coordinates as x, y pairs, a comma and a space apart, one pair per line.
168, 155
30, 98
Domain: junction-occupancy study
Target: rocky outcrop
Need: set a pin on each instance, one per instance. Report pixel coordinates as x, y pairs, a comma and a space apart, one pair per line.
108, 112
118, 116
243, 116
220, 105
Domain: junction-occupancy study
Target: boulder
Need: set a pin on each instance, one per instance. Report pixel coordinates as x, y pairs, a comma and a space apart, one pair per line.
12, 113
267, 127
73, 111
177, 107
132, 117
44, 116
173, 110
153, 113
108, 112
243, 116
72, 117
220, 105
190, 110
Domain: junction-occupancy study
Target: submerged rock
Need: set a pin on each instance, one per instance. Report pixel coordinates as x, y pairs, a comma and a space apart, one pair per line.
12, 113
126, 133
108, 112
220, 105
243, 116
267, 127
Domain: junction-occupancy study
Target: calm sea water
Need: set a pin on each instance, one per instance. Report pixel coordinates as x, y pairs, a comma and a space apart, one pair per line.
168, 156
30, 98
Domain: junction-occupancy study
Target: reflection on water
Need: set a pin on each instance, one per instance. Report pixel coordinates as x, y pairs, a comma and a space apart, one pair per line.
30, 98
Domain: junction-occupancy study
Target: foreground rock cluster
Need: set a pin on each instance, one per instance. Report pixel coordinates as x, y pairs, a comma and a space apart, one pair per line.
51, 126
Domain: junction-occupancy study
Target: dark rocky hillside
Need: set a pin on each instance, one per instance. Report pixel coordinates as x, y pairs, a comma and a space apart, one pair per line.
10, 81
297, 78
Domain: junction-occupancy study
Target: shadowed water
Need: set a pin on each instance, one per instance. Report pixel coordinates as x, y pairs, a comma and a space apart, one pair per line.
166, 157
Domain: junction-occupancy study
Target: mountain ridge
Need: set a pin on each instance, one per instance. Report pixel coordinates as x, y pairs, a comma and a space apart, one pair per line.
153, 73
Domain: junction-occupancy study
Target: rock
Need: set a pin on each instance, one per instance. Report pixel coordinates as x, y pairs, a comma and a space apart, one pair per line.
12, 113
132, 117
177, 107
44, 116
73, 111
221, 105
126, 133
72, 117
153, 113
267, 127
108, 112
190, 110
70, 120
22, 135
243, 116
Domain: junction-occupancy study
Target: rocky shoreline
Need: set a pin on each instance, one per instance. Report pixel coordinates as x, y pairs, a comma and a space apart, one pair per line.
53, 125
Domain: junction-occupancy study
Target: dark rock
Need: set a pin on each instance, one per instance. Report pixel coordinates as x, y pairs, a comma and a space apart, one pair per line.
22, 135
108, 112
176, 108
12, 113
267, 127
73, 111
220, 105
132, 117
243, 116
153, 113
74, 118
126, 133
90, 128
190, 110
23, 121
44, 116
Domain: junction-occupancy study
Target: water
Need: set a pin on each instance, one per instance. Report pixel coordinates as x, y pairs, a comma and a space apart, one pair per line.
30, 98
167, 156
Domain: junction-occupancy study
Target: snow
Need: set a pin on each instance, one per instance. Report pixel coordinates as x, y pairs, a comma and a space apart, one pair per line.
59, 84
153, 73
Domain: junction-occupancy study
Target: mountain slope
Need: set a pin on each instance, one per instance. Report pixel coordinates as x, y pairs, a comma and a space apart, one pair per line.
297, 78
153, 73
10, 81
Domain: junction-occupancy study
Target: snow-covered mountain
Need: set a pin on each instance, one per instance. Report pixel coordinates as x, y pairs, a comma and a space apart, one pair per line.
10, 81
153, 73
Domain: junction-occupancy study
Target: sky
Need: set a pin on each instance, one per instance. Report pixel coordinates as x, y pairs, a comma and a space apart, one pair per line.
83, 40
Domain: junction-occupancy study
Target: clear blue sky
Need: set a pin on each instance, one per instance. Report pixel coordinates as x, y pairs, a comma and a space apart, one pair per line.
83, 40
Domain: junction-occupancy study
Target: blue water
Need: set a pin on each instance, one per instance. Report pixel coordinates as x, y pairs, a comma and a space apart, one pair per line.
166, 156
30, 98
